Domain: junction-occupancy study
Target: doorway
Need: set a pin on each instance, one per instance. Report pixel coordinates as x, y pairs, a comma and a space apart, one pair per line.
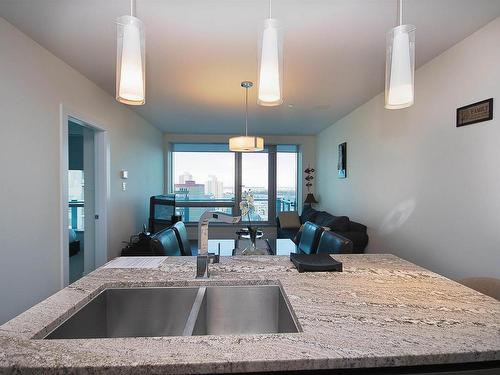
84, 195
81, 200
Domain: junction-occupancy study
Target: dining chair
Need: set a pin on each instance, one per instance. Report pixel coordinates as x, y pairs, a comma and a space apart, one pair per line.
165, 243
310, 237
333, 243
182, 236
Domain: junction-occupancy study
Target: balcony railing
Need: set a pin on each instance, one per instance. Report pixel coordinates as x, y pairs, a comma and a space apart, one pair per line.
74, 207
283, 204
192, 209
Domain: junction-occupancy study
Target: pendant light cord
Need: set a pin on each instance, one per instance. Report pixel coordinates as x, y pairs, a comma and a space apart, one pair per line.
270, 9
132, 8
400, 12
246, 111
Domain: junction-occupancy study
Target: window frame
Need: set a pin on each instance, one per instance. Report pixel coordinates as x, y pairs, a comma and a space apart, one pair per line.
271, 150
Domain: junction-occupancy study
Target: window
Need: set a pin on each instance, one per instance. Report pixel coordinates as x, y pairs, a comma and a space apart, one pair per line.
286, 181
254, 178
203, 176
210, 177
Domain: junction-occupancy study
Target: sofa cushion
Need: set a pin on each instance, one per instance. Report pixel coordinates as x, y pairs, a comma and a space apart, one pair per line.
335, 223
357, 227
289, 220
359, 239
356, 232
308, 214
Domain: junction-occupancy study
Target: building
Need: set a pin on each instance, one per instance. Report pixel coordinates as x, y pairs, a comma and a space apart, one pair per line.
190, 189
186, 176
214, 187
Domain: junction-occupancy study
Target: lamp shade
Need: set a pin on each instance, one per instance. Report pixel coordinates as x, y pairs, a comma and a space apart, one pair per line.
130, 61
270, 65
400, 67
310, 199
246, 143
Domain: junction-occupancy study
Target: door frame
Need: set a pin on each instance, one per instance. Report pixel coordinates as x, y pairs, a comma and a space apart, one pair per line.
102, 186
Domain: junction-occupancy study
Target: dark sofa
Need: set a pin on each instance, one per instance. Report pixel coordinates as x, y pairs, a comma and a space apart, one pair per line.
356, 232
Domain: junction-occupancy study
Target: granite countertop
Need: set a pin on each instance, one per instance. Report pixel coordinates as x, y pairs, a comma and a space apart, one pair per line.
381, 311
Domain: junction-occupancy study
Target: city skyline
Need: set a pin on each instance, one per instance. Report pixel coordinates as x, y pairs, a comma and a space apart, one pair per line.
185, 183
200, 168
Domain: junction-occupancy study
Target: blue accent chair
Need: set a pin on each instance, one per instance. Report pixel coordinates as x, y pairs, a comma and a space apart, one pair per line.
165, 243
182, 237
309, 237
334, 243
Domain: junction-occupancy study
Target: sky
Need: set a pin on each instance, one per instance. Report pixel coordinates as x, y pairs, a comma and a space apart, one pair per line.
255, 171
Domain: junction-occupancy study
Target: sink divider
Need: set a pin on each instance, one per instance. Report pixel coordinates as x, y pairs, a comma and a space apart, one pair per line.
195, 310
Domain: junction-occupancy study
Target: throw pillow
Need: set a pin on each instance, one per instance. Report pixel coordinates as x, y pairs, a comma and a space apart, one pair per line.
339, 223
335, 223
289, 220
308, 214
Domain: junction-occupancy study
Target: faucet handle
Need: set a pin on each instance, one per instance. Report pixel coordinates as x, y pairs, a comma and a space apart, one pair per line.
215, 258
202, 266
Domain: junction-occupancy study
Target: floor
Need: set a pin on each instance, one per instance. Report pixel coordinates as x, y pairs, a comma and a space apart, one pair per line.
76, 261
76, 267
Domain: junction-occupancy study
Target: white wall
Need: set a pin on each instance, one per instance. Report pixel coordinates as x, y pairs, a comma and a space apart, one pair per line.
307, 151
428, 191
33, 83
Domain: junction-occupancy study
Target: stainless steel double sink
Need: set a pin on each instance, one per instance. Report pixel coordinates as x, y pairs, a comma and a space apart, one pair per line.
181, 311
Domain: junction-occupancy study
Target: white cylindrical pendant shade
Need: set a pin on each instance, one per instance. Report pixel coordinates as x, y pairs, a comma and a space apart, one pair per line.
400, 67
246, 143
130, 61
270, 65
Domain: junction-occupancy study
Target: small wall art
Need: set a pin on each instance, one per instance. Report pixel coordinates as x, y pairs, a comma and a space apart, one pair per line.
474, 113
342, 163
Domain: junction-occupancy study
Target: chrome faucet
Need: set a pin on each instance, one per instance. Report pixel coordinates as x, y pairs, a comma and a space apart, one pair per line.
204, 257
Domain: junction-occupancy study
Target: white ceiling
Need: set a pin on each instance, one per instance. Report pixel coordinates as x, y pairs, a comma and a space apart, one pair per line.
198, 52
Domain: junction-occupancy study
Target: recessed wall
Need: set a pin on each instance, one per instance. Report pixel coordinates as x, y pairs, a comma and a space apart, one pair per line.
307, 156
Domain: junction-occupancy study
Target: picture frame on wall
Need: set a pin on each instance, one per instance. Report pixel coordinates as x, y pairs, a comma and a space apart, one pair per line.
475, 113
342, 160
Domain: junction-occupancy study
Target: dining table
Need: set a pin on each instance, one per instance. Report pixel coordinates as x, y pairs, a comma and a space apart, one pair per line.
230, 247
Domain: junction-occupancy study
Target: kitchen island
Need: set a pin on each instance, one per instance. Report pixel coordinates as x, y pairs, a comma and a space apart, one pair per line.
381, 312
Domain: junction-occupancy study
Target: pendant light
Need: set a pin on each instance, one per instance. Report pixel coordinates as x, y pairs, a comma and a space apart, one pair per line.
130, 60
400, 64
246, 143
270, 63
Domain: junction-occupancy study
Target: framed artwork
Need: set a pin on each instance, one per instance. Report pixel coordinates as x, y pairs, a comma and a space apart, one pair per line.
342, 163
474, 113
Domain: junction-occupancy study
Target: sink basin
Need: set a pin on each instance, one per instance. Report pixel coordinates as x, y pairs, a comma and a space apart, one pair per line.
244, 310
183, 311
130, 312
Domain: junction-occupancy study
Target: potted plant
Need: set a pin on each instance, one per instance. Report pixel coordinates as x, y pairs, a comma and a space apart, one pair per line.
247, 208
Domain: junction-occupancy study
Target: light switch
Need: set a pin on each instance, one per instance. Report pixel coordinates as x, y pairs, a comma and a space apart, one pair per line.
124, 174
124, 186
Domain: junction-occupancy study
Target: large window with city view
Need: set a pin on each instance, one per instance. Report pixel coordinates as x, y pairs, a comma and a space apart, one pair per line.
203, 176
210, 177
